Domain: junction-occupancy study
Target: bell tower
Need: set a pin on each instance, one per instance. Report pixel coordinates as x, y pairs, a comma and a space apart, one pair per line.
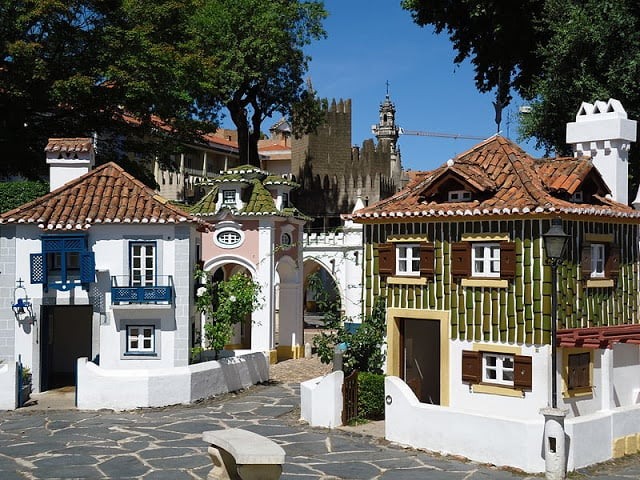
386, 130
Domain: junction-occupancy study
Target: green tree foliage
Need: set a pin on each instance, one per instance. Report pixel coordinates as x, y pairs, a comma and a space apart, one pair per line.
224, 304
554, 53
73, 67
253, 60
14, 194
363, 348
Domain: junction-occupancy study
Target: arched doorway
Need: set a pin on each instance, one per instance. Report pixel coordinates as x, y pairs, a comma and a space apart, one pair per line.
321, 294
242, 330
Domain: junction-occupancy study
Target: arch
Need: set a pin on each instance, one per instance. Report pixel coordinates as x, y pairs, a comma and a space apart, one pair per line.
313, 312
214, 263
223, 267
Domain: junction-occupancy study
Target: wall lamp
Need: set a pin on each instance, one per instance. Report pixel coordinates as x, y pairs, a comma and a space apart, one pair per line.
22, 307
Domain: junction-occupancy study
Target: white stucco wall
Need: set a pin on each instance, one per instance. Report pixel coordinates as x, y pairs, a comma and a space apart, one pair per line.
8, 387
110, 244
321, 400
134, 388
463, 397
515, 442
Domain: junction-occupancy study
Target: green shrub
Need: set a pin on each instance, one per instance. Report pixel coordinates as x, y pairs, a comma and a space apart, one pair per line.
370, 396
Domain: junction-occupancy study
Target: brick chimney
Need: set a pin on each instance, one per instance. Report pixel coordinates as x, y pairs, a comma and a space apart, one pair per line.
68, 158
603, 132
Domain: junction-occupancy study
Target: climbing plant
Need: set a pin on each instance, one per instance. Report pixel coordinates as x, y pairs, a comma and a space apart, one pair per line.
224, 304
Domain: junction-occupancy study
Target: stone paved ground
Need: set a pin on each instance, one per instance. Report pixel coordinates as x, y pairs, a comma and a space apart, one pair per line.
165, 443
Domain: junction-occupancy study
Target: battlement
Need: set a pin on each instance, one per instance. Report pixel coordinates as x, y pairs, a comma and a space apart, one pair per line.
341, 106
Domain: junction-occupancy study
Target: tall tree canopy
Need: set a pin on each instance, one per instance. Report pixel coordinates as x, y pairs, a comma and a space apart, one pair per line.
73, 67
79, 67
554, 53
254, 60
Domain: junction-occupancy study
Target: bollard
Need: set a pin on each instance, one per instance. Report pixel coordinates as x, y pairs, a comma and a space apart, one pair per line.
555, 458
307, 350
338, 352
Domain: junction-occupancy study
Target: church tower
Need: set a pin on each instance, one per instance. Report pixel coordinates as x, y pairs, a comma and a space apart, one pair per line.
386, 130
387, 133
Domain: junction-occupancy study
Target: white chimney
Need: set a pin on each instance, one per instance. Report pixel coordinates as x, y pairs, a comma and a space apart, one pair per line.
603, 132
68, 158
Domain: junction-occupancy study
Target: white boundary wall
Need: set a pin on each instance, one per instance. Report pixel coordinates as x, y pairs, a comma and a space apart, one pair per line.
321, 400
499, 440
134, 388
8, 387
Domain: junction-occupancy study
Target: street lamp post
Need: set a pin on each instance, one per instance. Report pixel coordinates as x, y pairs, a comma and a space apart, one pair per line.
555, 245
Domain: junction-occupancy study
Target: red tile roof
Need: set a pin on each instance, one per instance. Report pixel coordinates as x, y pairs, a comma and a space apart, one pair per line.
69, 145
105, 195
509, 182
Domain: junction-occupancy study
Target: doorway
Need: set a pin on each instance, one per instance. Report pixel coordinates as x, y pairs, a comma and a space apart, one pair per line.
66, 336
421, 358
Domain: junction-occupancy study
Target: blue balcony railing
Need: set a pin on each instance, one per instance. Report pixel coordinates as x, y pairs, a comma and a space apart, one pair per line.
123, 290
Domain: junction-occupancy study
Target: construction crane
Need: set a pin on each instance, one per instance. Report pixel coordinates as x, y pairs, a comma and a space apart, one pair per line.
419, 133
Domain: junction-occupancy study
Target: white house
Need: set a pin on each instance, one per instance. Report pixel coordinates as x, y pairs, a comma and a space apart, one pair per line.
101, 269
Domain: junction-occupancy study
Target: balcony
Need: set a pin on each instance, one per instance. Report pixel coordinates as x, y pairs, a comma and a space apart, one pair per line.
160, 292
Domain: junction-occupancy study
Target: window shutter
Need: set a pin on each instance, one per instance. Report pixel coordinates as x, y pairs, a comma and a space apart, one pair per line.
612, 263
522, 372
38, 268
87, 267
471, 366
386, 259
507, 260
427, 258
585, 261
461, 259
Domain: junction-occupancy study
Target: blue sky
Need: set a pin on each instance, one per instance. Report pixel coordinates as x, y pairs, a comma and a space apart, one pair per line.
371, 42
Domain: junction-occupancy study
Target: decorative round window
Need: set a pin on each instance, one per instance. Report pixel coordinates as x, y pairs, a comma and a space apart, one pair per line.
285, 240
228, 238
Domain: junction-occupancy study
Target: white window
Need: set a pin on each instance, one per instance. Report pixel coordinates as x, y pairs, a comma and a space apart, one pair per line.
228, 238
485, 260
497, 368
597, 259
459, 196
140, 339
229, 197
143, 264
408, 259
577, 197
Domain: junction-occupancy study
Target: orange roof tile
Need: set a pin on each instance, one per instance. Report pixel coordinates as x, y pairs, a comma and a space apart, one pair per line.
107, 194
510, 182
68, 145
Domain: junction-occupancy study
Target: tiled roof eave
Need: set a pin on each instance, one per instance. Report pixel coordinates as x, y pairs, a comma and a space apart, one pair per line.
492, 212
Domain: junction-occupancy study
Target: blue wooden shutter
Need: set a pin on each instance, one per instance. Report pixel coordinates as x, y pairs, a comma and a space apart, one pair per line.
87, 267
38, 268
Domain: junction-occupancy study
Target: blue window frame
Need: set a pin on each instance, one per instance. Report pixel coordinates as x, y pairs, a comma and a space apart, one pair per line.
65, 262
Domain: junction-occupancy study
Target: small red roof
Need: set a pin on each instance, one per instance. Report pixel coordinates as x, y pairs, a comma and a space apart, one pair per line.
69, 145
105, 195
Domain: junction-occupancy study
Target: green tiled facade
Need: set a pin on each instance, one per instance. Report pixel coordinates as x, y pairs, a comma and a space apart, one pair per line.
521, 312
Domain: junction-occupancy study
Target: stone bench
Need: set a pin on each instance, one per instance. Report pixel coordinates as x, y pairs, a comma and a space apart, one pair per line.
242, 455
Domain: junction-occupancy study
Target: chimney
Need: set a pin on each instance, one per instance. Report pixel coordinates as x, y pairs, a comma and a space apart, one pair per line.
68, 159
603, 132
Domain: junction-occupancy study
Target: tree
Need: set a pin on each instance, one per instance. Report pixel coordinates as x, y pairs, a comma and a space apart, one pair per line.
224, 304
558, 53
254, 61
76, 67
